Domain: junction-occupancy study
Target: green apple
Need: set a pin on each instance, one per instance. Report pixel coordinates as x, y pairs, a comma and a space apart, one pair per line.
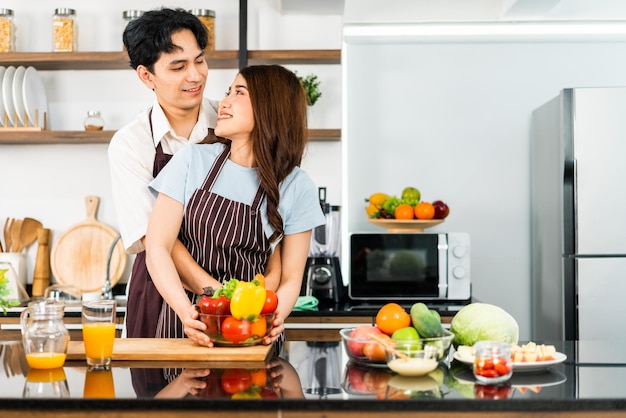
406, 338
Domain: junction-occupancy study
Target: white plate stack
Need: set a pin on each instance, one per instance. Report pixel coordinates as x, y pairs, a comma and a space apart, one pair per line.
23, 101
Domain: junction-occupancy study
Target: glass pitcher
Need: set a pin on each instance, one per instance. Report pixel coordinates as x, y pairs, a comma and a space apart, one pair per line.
44, 335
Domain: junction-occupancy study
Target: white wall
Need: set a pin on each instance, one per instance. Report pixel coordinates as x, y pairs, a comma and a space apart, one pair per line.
49, 182
452, 117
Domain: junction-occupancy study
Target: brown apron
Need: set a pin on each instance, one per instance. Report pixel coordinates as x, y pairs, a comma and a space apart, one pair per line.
224, 236
144, 300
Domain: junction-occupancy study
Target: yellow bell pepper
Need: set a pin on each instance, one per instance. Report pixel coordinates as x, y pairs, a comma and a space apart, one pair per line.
247, 301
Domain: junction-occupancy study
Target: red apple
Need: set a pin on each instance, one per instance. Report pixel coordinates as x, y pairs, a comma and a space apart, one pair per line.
361, 333
441, 209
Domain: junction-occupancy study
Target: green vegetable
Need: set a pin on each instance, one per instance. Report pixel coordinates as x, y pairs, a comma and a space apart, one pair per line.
483, 322
227, 289
423, 320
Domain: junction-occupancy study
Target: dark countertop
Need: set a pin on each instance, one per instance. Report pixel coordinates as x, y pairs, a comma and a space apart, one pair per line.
317, 377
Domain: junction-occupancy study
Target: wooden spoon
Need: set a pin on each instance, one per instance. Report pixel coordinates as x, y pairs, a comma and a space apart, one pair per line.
7, 233
16, 230
28, 233
388, 346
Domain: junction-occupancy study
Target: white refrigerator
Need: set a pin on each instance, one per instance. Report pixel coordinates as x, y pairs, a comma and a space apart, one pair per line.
578, 215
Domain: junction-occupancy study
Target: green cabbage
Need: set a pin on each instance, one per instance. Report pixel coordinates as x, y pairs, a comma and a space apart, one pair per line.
483, 322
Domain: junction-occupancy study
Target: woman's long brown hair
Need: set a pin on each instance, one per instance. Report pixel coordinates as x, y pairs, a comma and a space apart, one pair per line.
279, 136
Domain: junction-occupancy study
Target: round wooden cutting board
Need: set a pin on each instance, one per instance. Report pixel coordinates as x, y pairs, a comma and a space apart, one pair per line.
80, 255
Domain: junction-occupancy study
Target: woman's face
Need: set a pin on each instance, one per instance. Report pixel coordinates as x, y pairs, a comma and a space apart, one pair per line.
236, 118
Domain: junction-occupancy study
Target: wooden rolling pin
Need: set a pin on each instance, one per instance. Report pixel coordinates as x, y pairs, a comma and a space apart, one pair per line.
41, 274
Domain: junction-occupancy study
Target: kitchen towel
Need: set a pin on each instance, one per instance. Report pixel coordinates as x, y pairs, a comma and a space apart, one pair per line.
306, 303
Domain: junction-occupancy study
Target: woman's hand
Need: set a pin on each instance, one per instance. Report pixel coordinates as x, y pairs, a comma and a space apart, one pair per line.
190, 382
194, 329
277, 328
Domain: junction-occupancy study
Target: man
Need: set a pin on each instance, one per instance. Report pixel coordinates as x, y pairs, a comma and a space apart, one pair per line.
166, 49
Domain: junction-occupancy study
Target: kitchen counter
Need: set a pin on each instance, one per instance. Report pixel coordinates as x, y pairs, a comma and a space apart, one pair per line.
314, 380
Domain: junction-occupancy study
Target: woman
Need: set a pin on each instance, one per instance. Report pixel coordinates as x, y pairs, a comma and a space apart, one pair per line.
241, 207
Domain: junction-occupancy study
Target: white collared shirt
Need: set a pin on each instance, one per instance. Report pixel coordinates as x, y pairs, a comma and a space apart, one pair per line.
131, 160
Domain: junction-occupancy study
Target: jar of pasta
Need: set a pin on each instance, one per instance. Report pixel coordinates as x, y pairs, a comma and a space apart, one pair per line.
7, 31
207, 17
64, 30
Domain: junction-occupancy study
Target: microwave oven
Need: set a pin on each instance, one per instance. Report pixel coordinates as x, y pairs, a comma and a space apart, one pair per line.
410, 266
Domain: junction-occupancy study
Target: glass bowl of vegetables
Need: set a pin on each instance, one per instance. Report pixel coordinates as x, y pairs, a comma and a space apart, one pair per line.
228, 331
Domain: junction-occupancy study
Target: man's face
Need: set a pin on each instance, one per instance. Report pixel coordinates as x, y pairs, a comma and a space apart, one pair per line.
179, 77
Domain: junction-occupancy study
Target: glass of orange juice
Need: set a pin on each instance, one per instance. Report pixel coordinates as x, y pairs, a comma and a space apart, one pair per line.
99, 384
99, 332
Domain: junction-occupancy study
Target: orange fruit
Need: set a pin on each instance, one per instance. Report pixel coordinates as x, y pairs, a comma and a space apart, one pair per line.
405, 211
392, 317
424, 210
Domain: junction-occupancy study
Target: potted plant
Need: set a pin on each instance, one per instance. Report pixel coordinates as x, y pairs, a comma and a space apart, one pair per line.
311, 88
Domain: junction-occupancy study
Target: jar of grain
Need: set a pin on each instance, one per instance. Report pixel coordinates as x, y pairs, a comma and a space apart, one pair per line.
94, 121
7, 31
64, 30
207, 17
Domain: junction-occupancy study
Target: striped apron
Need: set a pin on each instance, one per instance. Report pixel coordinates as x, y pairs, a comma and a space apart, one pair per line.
225, 237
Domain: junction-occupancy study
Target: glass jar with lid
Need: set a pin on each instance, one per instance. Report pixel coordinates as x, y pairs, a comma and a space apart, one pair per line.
207, 17
129, 15
64, 30
492, 362
7, 31
94, 121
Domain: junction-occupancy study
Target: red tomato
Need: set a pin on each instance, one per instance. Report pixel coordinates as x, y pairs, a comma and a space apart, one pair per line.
236, 380
235, 330
212, 323
271, 302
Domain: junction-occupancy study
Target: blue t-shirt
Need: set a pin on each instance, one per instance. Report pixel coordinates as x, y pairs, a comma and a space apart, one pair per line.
299, 204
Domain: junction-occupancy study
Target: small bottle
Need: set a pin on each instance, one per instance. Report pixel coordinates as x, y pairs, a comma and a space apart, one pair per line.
207, 17
492, 363
94, 121
7, 31
64, 30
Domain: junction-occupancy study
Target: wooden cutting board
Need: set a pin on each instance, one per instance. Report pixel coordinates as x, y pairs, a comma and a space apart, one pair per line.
79, 257
172, 349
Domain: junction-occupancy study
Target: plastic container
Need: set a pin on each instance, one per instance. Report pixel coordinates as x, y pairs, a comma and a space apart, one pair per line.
207, 17
492, 363
94, 121
64, 30
7, 31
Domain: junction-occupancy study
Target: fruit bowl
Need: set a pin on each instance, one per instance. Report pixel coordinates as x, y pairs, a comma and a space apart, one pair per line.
400, 225
355, 348
363, 380
226, 331
440, 346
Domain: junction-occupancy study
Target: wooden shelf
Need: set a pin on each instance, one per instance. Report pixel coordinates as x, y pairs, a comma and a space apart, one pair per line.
103, 137
118, 60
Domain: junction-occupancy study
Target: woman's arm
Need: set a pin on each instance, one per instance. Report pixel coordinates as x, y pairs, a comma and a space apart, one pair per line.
193, 277
161, 236
294, 252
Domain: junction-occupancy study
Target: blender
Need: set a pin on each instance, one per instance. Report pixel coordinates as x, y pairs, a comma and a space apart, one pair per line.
322, 274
